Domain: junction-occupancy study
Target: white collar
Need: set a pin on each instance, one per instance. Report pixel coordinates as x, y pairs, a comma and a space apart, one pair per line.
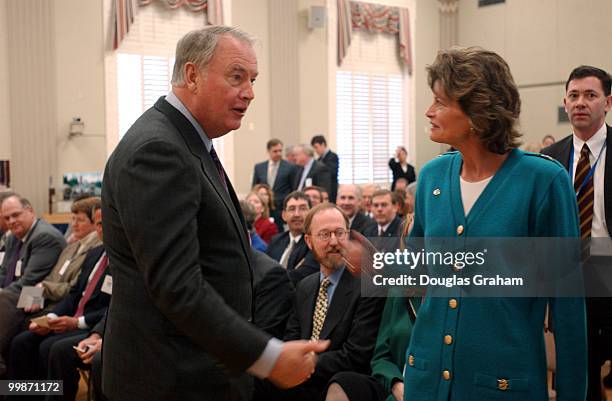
595, 143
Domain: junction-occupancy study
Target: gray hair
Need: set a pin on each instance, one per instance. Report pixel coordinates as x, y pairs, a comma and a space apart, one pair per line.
357, 188
411, 189
305, 148
199, 47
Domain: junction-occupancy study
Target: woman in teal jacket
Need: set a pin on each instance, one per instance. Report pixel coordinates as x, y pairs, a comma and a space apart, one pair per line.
471, 349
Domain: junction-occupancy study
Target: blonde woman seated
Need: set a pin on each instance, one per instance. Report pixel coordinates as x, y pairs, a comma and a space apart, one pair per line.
264, 227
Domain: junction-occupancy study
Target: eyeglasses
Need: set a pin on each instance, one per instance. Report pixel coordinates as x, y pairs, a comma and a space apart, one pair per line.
325, 235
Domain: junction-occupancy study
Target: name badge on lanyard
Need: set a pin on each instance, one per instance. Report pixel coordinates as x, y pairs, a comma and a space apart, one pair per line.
570, 167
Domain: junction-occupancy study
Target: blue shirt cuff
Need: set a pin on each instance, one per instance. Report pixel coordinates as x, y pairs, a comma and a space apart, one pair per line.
263, 366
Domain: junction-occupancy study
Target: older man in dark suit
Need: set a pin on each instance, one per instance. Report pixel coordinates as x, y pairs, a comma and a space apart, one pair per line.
312, 172
178, 326
31, 252
349, 200
279, 174
587, 157
328, 305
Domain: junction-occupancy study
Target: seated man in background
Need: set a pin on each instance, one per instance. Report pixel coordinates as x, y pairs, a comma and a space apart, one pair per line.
328, 305
31, 252
349, 199
63, 275
315, 194
84, 306
4, 229
367, 192
64, 361
289, 247
385, 209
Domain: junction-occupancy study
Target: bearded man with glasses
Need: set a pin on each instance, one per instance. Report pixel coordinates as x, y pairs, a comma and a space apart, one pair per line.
328, 306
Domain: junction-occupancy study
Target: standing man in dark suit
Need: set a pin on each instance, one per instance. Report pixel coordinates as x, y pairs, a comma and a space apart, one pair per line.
279, 174
384, 207
587, 157
312, 172
328, 305
330, 159
349, 200
178, 327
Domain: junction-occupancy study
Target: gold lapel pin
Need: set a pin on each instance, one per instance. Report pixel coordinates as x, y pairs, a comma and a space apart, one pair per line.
436, 192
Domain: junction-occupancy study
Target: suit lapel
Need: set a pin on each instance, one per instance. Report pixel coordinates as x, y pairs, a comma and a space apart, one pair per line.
197, 148
339, 304
566, 149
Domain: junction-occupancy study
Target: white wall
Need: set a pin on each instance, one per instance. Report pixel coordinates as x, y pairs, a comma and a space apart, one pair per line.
80, 86
5, 106
249, 141
542, 42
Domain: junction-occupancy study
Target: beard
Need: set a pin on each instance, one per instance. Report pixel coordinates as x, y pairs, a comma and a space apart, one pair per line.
330, 257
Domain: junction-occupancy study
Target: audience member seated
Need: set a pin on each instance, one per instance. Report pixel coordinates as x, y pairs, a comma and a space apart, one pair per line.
350, 200
325, 195
367, 191
275, 206
31, 252
273, 294
249, 218
315, 194
4, 229
68, 266
547, 141
73, 317
401, 184
265, 228
384, 206
289, 248
328, 305
386, 383
63, 275
64, 361
400, 197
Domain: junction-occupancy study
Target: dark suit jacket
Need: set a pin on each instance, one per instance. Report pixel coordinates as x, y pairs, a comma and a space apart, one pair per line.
561, 152
38, 255
394, 229
330, 159
180, 259
361, 222
351, 324
279, 243
306, 267
397, 171
285, 182
320, 175
95, 308
273, 294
